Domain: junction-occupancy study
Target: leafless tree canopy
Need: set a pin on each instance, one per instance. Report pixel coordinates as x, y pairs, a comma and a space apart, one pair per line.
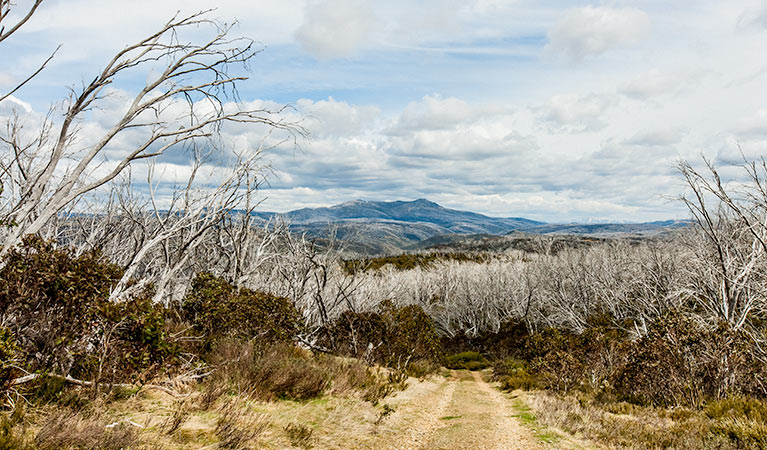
190, 94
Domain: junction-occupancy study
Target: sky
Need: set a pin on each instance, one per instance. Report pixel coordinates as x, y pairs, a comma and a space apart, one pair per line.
552, 110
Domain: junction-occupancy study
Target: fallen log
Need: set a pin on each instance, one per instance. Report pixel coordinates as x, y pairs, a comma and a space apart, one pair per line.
68, 379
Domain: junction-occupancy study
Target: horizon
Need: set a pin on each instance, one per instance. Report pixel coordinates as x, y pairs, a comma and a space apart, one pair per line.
586, 222
554, 111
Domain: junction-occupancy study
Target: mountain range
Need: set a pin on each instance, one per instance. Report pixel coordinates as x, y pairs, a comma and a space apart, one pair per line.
375, 227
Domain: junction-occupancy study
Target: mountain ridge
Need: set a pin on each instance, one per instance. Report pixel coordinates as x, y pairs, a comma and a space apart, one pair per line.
395, 226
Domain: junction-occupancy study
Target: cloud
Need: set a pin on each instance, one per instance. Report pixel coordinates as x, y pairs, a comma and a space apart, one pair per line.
575, 113
655, 82
333, 118
590, 30
11, 103
656, 137
752, 126
433, 112
336, 28
754, 16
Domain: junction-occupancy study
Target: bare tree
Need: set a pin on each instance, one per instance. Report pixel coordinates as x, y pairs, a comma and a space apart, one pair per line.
191, 93
9, 27
728, 253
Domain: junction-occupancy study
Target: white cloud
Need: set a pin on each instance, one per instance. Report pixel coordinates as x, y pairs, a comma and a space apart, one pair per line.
591, 30
752, 126
336, 28
754, 16
576, 113
12, 102
656, 137
656, 82
433, 112
333, 118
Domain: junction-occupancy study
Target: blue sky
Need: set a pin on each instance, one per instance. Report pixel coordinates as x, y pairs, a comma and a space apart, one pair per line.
553, 110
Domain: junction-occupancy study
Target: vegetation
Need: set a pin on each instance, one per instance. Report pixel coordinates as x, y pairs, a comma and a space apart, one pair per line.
407, 261
658, 343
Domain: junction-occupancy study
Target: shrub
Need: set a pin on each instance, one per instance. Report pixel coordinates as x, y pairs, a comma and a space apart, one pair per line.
283, 371
141, 343
467, 361
218, 309
237, 427
47, 299
13, 436
299, 435
737, 408
513, 374
358, 335
8, 355
392, 336
680, 363
410, 336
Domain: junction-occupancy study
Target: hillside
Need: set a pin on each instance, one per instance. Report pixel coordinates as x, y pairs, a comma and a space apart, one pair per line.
371, 227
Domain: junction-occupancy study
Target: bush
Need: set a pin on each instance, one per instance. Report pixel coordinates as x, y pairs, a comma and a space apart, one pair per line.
141, 343
218, 309
8, 355
392, 336
13, 436
48, 298
237, 428
358, 335
513, 374
467, 361
680, 363
410, 335
283, 371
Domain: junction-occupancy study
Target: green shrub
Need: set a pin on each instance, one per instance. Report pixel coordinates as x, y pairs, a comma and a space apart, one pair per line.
745, 434
409, 261
467, 361
141, 342
60, 321
13, 435
513, 374
218, 309
680, 363
410, 335
739, 408
392, 336
358, 335
47, 300
8, 354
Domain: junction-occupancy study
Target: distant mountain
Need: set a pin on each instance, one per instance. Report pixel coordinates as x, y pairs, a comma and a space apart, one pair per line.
417, 211
372, 227
607, 229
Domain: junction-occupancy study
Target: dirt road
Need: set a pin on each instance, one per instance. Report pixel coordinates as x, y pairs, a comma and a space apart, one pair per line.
461, 411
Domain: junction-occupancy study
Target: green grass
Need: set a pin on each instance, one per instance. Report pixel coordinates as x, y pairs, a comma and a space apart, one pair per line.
527, 418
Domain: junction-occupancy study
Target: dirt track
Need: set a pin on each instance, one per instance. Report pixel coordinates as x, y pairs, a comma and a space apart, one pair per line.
461, 411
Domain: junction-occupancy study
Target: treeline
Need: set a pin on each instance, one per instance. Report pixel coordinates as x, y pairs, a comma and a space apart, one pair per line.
407, 261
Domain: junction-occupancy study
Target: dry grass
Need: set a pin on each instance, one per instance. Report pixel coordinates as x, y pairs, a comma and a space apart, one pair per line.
65, 429
285, 372
300, 435
627, 426
299, 400
237, 427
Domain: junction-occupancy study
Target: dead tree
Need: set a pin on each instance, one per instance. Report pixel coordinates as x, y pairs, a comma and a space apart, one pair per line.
190, 94
727, 261
11, 21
